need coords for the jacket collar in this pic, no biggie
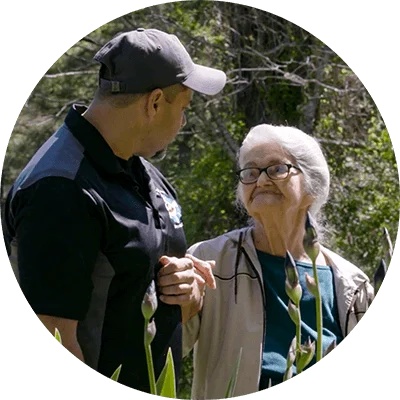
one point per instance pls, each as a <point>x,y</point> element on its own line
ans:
<point>345,270</point>
<point>347,277</point>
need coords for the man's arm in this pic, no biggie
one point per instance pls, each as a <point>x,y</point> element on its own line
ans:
<point>58,241</point>
<point>67,329</point>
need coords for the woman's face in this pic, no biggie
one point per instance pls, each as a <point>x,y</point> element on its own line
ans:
<point>267,195</point>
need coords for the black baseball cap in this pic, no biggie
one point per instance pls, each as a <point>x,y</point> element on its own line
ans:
<point>142,60</point>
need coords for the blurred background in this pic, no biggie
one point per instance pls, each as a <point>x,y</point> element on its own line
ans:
<point>277,73</point>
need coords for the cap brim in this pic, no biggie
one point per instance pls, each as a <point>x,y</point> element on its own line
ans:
<point>205,80</point>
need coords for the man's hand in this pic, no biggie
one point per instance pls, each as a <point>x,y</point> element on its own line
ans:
<point>182,281</point>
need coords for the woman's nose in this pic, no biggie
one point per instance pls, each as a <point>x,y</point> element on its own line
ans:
<point>263,179</point>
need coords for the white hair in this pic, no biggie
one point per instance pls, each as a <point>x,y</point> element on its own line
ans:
<point>307,155</point>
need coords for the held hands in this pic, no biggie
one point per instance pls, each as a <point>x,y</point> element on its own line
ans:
<point>182,281</point>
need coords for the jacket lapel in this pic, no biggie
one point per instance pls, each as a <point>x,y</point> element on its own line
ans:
<point>347,278</point>
<point>248,246</point>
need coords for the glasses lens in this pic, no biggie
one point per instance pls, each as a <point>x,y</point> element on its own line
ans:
<point>279,171</point>
<point>249,175</point>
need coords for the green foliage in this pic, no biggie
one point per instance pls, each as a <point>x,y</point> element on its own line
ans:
<point>364,200</point>
<point>233,379</point>
<point>185,380</point>
<point>277,73</point>
<point>205,188</point>
<point>166,381</point>
<point>57,335</point>
<point>115,375</point>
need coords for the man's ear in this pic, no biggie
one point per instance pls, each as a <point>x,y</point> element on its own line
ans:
<point>153,102</point>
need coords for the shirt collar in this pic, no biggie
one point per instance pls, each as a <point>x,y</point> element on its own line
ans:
<point>96,148</point>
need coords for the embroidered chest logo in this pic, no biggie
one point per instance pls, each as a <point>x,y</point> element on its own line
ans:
<point>173,208</point>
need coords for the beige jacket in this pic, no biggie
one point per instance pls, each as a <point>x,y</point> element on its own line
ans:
<point>233,315</point>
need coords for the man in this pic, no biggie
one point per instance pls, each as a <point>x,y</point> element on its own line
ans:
<point>91,223</point>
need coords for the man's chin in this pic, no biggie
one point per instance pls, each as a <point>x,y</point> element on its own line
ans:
<point>159,156</point>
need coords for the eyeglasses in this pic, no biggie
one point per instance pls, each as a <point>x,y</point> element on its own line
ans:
<point>276,172</point>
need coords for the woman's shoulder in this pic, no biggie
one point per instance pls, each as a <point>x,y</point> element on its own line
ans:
<point>343,267</point>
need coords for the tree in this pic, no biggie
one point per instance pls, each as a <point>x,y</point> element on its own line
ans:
<point>277,73</point>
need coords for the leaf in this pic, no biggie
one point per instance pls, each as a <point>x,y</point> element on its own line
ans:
<point>57,335</point>
<point>232,382</point>
<point>306,355</point>
<point>166,381</point>
<point>116,373</point>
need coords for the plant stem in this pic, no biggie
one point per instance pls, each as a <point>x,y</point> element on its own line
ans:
<point>150,366</point>
<point>290,359</point>
<point>298,342</point>
<point>318,312</point>
<point>288,373</point>
<point>298,335</point>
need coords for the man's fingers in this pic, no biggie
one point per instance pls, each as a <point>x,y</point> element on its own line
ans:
<point>181,300</point>
<point>205,269</point>
<point>174,290</point>
<point>173,264</point>
<point>182,293</point>
<point>175,278</point>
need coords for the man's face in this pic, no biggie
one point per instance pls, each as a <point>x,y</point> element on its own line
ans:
<point>171,117</point>
<point>174,112</point>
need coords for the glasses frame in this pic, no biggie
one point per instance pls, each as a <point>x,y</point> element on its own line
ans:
<point>266,171</point>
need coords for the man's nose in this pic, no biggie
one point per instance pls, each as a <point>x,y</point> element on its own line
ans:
<point>183,123</point>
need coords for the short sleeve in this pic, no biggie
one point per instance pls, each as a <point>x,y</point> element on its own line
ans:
<point>58,236</point>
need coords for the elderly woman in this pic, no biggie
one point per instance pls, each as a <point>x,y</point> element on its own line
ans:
<point>282,175</point>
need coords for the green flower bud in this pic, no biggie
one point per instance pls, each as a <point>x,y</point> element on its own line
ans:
<point>290,269</point>
<point>149,303</point>
<point>294,293</point>
<point>379,275</point>
<point>291,357</point>
<point>388,245</point>
<point>310,239</point>
<point>150,332</point>
<point>292,286</point>
<point>307,352</point>
<point>311,285</point>
<point>294,313</point>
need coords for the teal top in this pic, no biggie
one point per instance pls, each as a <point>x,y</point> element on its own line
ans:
<point>280,329</point>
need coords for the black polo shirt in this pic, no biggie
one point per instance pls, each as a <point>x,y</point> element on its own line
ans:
<point>86,231</point>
